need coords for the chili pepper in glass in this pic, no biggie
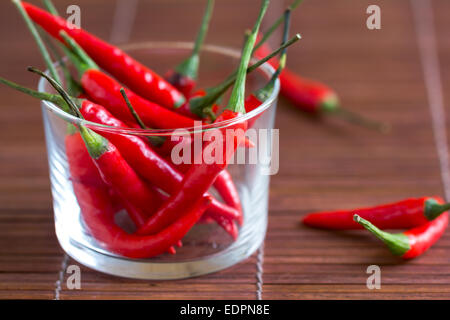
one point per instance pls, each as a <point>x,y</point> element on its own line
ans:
<point>201,105</point>
<point>139,78</point>
<point>200,176</point>
<point>135,151</point>
<point>105,90</point>
<point>411,243</point>
<point>184,76</point>
<point>98,214</point>
<point>408,213</point>
<point>115,171</point>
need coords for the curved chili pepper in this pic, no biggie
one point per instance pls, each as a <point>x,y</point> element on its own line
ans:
<point>200,176</point>
<point>133,74</point>
<point>184,77</point>
<point>412,243</point>
<point>407,213</point>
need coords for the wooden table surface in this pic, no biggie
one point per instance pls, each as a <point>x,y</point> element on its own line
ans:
<point>399,74</point>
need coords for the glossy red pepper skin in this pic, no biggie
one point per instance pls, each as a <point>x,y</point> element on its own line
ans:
<point>307,95</point>
<point>143,159</point>
<point>197,180</point>
<point>81,163</point>
<point>407,213</point>
<point>227,190</point>
<point>98,215</point>
<point>86,179</point>
<point>251,103</point>
<point>138,198</point>
<point>105,91</point>
<point>423,237</point>
<point>182,83</point>
<point>130,72</point>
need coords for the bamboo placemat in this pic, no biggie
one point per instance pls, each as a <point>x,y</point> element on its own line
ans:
<point>323,164</point>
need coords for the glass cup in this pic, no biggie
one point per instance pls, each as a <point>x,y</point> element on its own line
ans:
<point>206,247</point>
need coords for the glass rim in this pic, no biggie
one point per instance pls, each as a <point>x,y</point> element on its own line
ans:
<point>266,68</point>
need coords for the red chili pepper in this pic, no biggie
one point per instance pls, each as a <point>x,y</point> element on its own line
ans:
<point>98,214</point>
<point>315,97</point>
<point>133,74</point>
<point>227,190</point>
<point>197,180</point>
<point>407,213</point>
<point>184,77</point>
<point>412,243</point>
<point>203,105</point>
<point>115,171</point>
<point>136,151</point>
<point>201,176</point>
<point>84,174</point>
<point>105,90</point>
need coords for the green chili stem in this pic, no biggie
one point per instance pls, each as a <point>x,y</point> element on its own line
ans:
<point>38,40</point>
<point>275,25</point>
<point>36,94</point>
<point>131,108</point>
<point>78,51</point>
<point>398,243</point>
<point>60,90</point>
<point>213,94</point>
<point>360,120</point>
<point>95,143</point>
<point>266,91</point>
<point>237,98</point>
<point>189,67</point>
<point>51,7</point>
<point>434,209</point>
<point>204,27</point>
<point>155,140</point>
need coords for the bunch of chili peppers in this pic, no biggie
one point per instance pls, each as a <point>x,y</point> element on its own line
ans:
<point>425,218</point>
<point>111,171</point>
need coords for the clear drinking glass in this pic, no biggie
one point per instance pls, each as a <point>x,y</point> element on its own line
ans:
<point>207,247</point>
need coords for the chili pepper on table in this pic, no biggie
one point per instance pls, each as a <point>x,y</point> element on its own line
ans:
<point>200,176</point>
<point>184,76</point>
<point>408,213</point>
<point>130,72</point>
<point>315,97</point>
<point>411,243</point>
